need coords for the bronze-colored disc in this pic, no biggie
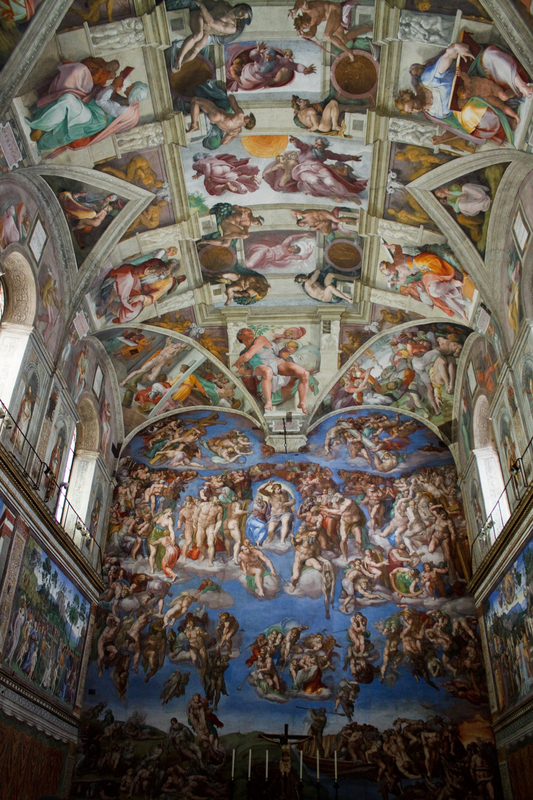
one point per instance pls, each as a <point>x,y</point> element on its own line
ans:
<point>216,259</point>
<point>344,255</point>
<point>356,77</point>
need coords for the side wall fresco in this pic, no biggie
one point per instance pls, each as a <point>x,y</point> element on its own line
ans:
<point>507,615</point>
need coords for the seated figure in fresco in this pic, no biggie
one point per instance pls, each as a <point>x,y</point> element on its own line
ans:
<point>428,278</point>
<point>230,121</point>
<point>233,222</point>
<point>315,118</point>
<point>210,21</point>
<point>259,358</point>
<point>321,286</point>
<point>129,287</point>
<point>85,211</point>
<point>337,19</point>
<point>70,117</point>
<point>470,201</point>
<point>225,173</point>
<point>318,219</point>
<point>479,119</point>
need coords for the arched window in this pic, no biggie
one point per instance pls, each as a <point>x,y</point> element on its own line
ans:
<point>490,473</point>
<point>66,479</point>
<point>84,465</point>
<point>2,298</point>
<point>18,301</point>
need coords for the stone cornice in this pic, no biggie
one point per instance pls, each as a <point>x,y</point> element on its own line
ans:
<point>23,59</point>
<point>19,701</point>
<point>510,23</point>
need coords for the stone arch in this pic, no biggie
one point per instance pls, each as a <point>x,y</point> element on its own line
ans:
<point>88,430</point>
<point>483,272</point>
<point>21,293</point>
<point>527,384</point>
<point>365,359</point>
<point>482,427</point>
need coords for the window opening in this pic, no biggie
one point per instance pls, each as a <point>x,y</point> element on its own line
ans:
<point>66,478</point>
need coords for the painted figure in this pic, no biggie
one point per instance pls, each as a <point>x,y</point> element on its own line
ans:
<point>209,20</point>
<point>264,67</point>
<point>130,287</point>
<point>72,120</point>
<point>311,175</point>
<point>294,248</point>
<point>478,119</point>
<point>337,19</point>
<point>273,373</point>
<point>226,173</point>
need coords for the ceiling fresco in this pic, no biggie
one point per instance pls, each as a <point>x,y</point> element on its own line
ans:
<point>268,161</point>
<point>284,290</point>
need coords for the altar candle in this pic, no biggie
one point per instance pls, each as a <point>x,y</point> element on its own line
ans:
<point>317,765</point>
<point>249,764</point>
<point>233,765</point>
<point>266,766</point>
<point>335,766</point>
<point>301,763</point>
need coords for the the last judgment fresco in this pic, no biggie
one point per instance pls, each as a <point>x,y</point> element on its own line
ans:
<point>325,590</point>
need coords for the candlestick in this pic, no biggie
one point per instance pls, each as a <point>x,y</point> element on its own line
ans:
<point>233,765</point>
<point>317,766</point>
<point>249,764</point>
<point>335,765</point>
<point>266,766</point>
<point>301,763</point>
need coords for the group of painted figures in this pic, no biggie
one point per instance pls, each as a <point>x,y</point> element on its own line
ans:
<point>133,759</point>
<point>34,647</point>
<point>371,540</point>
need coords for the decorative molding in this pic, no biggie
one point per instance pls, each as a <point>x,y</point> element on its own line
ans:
<point>11,578</point>
<point>411,131</point>
<point>386,21</point>
<point>156,69</point>
<point>378,176</point>
<point>512,26</point>
<point>42,27</point>
<point>148,135</point>
<point>514,725</point>
<point>156,27</point>
<point>138,200</point>
<point>389,69</point>
<point>116,36</point>
<point>17,701</point>
<point>21,296</point>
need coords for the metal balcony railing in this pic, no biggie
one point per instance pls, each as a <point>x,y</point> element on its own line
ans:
<point>43,481</point>
<point>521,479</point>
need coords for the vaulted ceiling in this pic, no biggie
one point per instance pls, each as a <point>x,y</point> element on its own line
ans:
<point>287,178</point>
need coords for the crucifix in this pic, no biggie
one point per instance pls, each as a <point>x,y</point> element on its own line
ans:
<point>284,740</point>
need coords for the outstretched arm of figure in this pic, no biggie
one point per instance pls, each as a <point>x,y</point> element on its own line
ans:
<point>266,560</point>
<point>229,137</point>
<point>255,348</point>
<point>453,52</point>
<point>235,107</point>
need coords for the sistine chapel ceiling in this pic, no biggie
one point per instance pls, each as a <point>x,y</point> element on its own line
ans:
<point>283,230</point>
